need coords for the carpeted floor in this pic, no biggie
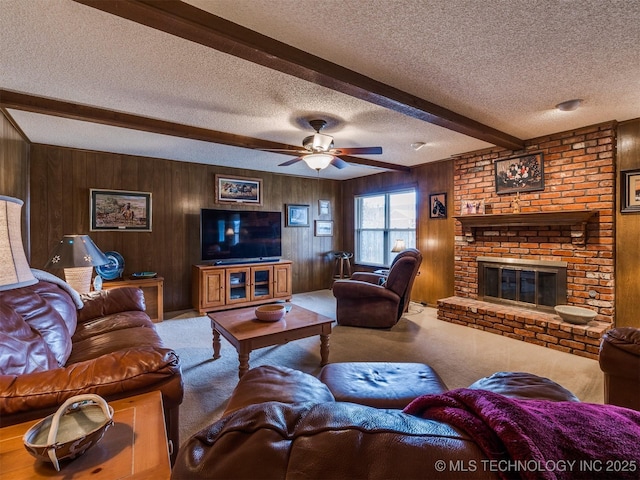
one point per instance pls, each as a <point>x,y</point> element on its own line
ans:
<point>461,355</point>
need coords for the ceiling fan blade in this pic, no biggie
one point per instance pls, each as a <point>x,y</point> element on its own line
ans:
<point>290,162</point>
<point>357,151</point>
<point>283,150</point>
<point>339,163</point>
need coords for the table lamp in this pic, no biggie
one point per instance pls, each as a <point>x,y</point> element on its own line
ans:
<point>398,246</point>
<point>77,255</point>
<point>14,268</point>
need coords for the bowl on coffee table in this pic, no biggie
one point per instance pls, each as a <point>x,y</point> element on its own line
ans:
<point>270,313</point>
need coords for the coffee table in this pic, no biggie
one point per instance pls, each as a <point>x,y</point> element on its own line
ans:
<point>246,333</point>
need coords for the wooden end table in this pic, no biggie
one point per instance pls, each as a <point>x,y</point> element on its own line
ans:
<point>246,333</point>
<point>134,447</point>
<point>153,290</point>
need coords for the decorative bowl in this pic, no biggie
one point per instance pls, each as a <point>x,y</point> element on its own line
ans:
<point>76,426</point>
<point>572,314</point>
<point>270,313</point>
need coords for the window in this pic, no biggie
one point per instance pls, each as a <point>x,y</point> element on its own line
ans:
<point>381,219</point>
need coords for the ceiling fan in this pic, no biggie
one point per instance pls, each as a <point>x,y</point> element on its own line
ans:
<point>319,152</point>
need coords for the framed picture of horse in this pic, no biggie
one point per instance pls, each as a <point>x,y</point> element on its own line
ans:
<point>438,205</point>
<point>118,210</point>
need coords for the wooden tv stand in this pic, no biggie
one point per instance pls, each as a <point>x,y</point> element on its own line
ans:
<point>221,287</point>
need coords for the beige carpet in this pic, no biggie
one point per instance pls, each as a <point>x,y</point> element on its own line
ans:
<point>461,355</point>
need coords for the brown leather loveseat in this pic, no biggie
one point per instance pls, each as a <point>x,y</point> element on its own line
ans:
<point>282,423</point>
<point>50,350</point>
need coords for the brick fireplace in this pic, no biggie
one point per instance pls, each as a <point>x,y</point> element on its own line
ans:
<point>532,284</point>
<point>569,221</point>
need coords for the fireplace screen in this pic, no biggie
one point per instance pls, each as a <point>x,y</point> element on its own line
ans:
<point>536,284</point>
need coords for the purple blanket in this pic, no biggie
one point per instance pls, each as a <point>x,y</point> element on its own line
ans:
<point>541,439</point>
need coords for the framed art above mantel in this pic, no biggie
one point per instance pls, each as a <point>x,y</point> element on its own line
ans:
<point>524,173</point>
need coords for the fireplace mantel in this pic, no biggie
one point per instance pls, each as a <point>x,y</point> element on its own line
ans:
<point>528,219</point>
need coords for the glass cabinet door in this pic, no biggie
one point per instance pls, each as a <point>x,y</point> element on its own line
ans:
<point>237,285</point>
<point>262,282</point>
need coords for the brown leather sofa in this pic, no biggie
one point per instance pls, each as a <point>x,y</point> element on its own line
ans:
<point>50,351</point>
<point>377,301</point>
<point>620,361</point>
<point>283,423</point>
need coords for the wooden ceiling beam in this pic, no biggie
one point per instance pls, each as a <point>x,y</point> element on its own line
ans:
<point>48,106</point>
<point>190,23</point>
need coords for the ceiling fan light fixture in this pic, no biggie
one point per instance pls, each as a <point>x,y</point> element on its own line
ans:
<point>321,142</point>
<point>318,161</point>
<point>569,105</point>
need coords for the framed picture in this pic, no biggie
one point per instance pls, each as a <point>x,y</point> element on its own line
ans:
<point>324,228</point>
<point>324,207</point>
<point>438,205</point>
<point>297,215</point>
<point>233,189</point>
<point>120,210</point>
<point>524,173</point>
<point>472,207</point>
<point>630,191</point>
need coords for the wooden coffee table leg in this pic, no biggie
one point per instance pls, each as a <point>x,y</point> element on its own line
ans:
<point>324,349</point>
<point>243,358</point>
<point>216,344</point>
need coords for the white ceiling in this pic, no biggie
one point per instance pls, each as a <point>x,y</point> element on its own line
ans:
<point>503,63</point>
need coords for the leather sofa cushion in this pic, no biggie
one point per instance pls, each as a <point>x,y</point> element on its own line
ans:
<point>109,342</point>
<point>110,323</point>
<point>105,302</point>
<point>525,386</point>
<point>268,383</point>
<point>115,375</point>
<point>22,349</point>
<point>36,324</point>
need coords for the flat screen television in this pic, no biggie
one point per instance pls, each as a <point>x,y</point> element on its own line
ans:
<point>239,236</point>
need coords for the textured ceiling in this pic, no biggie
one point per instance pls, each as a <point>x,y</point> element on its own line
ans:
<point>505,64</point>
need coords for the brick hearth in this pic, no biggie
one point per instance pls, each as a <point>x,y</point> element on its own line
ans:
<point>545,329</point>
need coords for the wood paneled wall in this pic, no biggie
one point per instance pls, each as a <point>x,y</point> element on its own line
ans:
<point>435,237</point>
<point>627,232</point>
<point>14,171</point>
<point>61,179</point>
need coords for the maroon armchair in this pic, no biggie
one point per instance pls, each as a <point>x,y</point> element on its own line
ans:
<point>376,301</point>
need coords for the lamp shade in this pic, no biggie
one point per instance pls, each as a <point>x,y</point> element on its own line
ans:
<point>76,251</point>
<point>77,255</point>
<point>398,246</point>
<point>318,161</point>
<point>14,268</point>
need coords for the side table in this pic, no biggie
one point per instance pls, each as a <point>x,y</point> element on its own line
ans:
<point>134,447</point>
<point>153,289</point>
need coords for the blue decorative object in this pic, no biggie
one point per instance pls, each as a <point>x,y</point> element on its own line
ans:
<point>144,275</point>
<point>114,268</point>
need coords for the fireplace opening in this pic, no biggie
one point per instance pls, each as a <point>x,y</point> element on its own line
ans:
<point>534,284</point>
